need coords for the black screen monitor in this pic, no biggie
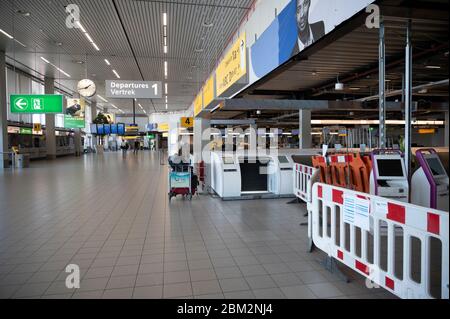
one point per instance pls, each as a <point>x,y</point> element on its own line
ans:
<point>283,160</point>
<point>436,167</point>
<point>390,168</point>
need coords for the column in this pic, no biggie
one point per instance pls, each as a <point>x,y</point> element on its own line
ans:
<point>201,151</point>
<point>4,162</point>
<point>77,142</point>
<point>50,137</point>
<point>93,116</point>
<point>446,142</point>
<point>304,135</point>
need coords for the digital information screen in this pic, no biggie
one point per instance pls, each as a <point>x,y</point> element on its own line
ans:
<point>107,129</point>
<point>436,167</point>
<point>100,129</point>
<point>93,128</point>
<point>121,129</point>
<point>113,128</point>
<point>390,168</point>
<point>283,160</point>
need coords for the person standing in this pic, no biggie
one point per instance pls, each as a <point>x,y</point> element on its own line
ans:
<point>136,146</point>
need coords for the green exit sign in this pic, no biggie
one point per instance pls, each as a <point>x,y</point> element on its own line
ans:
<point>36,104</point>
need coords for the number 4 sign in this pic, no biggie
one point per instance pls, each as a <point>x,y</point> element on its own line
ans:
<point>187,122</point>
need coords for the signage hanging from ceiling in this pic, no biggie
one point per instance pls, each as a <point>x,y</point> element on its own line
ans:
<point>133,89</point>
<point>233,66</point>
<point>208,91</point>
<point>187,122</point>
<point>198,104</point>
<point>36,103</point>
<point>74,116</point>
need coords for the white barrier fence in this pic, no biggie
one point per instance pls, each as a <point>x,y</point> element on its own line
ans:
<point>304,177</point>
<point>401,247</point>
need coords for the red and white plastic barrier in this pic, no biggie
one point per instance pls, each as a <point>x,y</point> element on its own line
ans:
<point>304,177</point>
<point>374,236</point>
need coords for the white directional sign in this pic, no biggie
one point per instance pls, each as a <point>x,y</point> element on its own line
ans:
<point>133,89</point>
<point>21,104</point>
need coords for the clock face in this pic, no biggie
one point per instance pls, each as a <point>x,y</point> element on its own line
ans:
<point>86,88</point>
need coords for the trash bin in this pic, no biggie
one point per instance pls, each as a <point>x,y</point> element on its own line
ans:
<point>22,160</point>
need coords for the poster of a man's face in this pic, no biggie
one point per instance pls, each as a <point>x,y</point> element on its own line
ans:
<point>308,32</point>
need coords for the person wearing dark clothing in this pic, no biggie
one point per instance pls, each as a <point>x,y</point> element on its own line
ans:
<point>136,146</point>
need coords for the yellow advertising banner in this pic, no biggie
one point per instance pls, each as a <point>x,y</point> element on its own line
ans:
<point>198,105</point>
<point>163,127</point>
<point>232,67</point>
<point>208,91</point>
<point>187,122</point>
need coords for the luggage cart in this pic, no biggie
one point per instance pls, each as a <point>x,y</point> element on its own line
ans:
<point>180,177</point>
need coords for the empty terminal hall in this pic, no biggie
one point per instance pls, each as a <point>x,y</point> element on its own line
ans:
<point>232,151</point>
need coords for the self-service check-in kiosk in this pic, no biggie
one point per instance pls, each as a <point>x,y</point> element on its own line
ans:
<point>238,176</point>
<point>429,183</point>
<point>280,175</point>
<point>388,177</point>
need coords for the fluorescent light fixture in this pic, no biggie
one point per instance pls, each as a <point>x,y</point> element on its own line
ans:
<point>354,89</point>
<point>167,99</point>
<point>167,106</point>
<point>166,87</point>
<point>165,49</point>
<point>89,37</point>
<point>116,74</point>
<point>95,46</point>
<point>107,62</point>
<point>165,69</point>
<point>7,34</point>
<point>165,41</point>
<point>165,31</point>
<point>164,18</point>
<point>432,67</point>
<point>373,122</point>
<point>78,23</point>
<point>114,106</point>
<point>20,43</point>
<point>63,72</point>
<point>102,98</point>
<point>45,60</point>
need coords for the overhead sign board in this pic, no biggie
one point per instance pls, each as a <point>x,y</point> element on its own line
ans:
<point>133,89</point>
<point>233,66</point>
<point>36,103</point>
<point>26,131</point>
<point>163,127</point>
<point>208,91</point>
<point>198,104</point>
<point>187,122</point>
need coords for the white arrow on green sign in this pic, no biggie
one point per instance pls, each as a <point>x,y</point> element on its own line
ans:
<point>36,103</point>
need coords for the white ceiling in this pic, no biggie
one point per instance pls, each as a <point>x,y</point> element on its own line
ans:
<point>129,34</point>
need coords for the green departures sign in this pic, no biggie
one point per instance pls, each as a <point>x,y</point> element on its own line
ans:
<point>36,104</point>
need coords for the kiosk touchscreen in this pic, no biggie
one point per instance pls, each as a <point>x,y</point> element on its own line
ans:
<point>429,187</point>
<point>388,177</point>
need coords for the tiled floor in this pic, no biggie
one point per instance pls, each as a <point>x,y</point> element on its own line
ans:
<point>111,216</point>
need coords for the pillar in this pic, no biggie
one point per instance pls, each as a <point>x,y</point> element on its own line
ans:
<point>201,151</point>
<point>4,162</point>
<point>446,141</point>
<point>305,140</point>
<point>77,142</point>
<point>93,116</point>
<point>50,137</point>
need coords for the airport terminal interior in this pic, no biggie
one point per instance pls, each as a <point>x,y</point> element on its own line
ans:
<point>224,149</point>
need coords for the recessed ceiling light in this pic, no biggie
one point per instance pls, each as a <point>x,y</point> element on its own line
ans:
<point>432,67</point>
<point>23,13</point>
<point>354,88</point>
<point>164,18</point>
<point>198,50</point>
<point>78,61</point>
<point>207,25</point>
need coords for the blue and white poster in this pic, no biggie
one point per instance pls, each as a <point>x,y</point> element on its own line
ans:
<point>300,24</point>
